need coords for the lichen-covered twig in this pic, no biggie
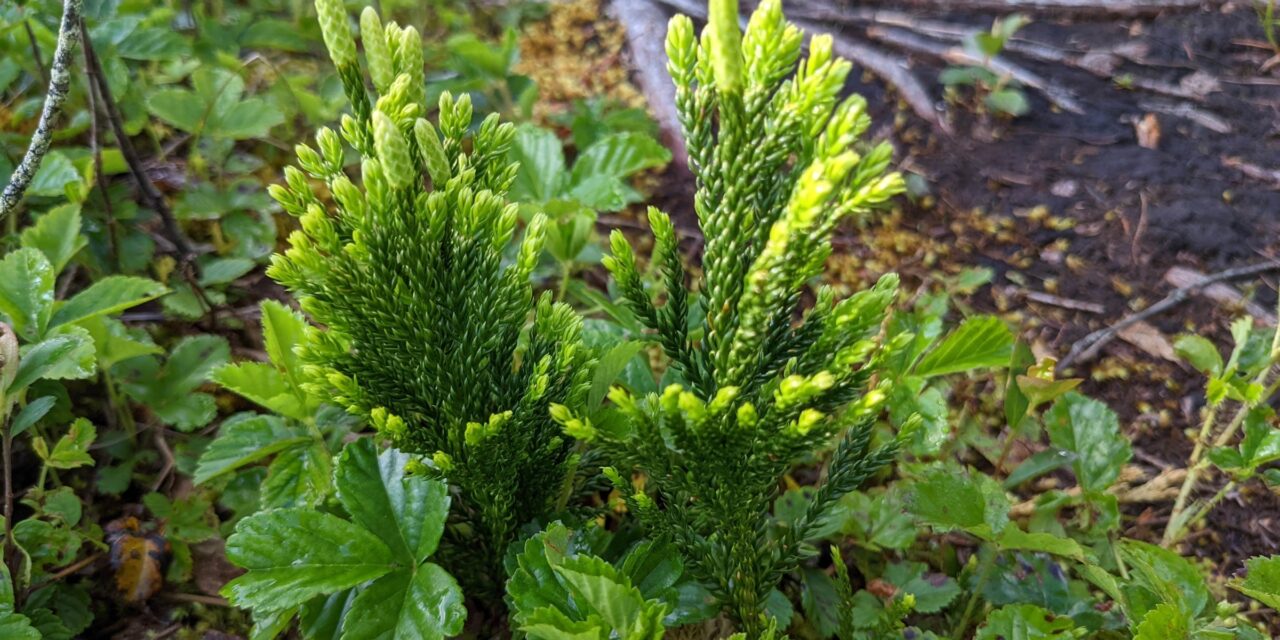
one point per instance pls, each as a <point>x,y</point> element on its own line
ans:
<point>59,84</point>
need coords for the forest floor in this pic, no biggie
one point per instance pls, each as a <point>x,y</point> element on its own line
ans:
<point>1171,168</point>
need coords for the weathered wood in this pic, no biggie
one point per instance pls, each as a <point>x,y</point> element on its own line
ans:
<point>1098,7</point>
<point>646,29</point>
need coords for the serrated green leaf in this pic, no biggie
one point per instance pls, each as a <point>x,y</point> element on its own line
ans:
<point>1200,353</point>
<point>58,358</point>
<point>246,439</point>
<point>57,235</point>
<point>321,617</point>
<point>283,331</point>
<point>299,476</point>
<point>1026,622</point>
<point>1090,430</point>
<point>14,626</point>
<point>619,155</point>
<point>1164,622</point>
<point>950,500</point>
<point>293,555</point>
<point>979,342</point>
<point>407,512</point>
<point>610,595</point>
<point>26,291</point>
<point>1015,539</point>
<point>424,604</point>
<point>107,296</point>
<point>72,449</point>
<point>263,384</point>
<point>1261,581</point>
<point>933,592</point>
<point>115,342</point>
<point>541,157</point>
<point>1172,578</point>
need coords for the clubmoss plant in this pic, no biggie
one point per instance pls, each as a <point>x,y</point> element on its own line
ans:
<point>428,332</point>
<point>778,165</point>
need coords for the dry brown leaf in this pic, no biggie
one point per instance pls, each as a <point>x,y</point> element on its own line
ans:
<point>1150,339</point>
<point>1148,131</point>
<point>138,559</point>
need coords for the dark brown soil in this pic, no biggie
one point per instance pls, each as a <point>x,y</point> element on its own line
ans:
<point>1118,215</point>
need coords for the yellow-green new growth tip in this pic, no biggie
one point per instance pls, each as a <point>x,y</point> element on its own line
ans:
<point>393,151</point>
<point>726,45</point>
<point>336,29</point>
<point>376,52</point>
<point>432,152</point>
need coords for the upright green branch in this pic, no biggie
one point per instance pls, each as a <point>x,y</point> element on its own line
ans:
<point>779,163</point>
<point>59,86</point>
<point>428,332</point>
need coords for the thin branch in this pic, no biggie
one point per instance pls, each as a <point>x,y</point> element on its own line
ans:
<point>1059,96</point>
<point>35,50</point>
<point>59,85</point>
<point>1088,346</point>
<point>1100,7</point>
<point>152,195</point>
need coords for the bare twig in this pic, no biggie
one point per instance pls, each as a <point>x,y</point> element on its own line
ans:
<point>1059,96</point>
<point>59,85</point>
<point>1250,170</point>
<point>1220,293</point>
<point>64,572</point>
<point>35,51</point>
<point>1088,346</point>
<point>1101,7</point>
<point>98,177</point>
<point>1065,303</point>
<point>1202,117</point>
<point>152,195</point>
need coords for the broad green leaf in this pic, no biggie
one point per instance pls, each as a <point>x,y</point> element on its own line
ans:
<point>178,107</point>
<point>57,235</point>
<point>1200,353</point>
<point>1038,464</point>
<point>31,414</point>
<point>1016,403</point>
<point>423,604</point>
<point>154,43</point>
<point>72,449</point>
<point>1169,576</point>
<point>933,592</point>
<point>407,512</point>
<point>170,389</point>
<point>541,157</point>
<point>116,342</point>
<point>225,270</point>
<point>58,358</point>
<point>948,499</point>
<point>1090,430</point>
<point>1261,581</point>
<point>610,595</point>
<point>15,626</point>
<point>215,105</point>
<point>1008,101</point>
<point>1164,622</point>
<point>321,617</point>
<point>300,476</point>
<point>552,624</point>
<point>263,384</point>
<point>269,625</point>
<point>1026,622</point>
<point>293,555</point>
<point>284,330</point>
<point>107,296</point>
<point>618,156</point>
<point>1261,442</point>
<point>246,439</point>
<point>1015,539</point>
<point>979,342</point>
<point>609,367</point>
<point>56,174</point>
<point>26,291</point>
